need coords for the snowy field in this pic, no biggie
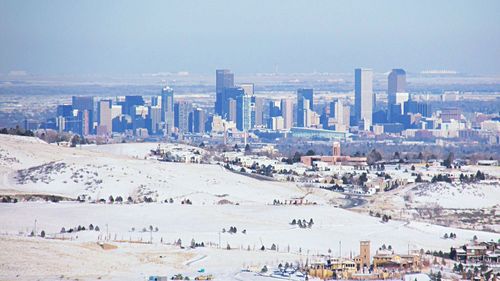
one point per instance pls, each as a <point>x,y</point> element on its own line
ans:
<point>458,196</point>
<point>31,166</point>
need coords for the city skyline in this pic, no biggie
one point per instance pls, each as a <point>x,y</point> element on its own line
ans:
<point>250,140</point>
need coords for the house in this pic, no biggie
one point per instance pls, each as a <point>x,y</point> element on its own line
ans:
<point>475,253</point>
<point>388,261</point>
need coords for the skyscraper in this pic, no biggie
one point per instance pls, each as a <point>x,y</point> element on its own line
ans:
<point>243,113</point>
<point>341,114</point>
<point>104,117</point>
<point>154,119</point>
<point>287,113</point>
<point>167,108</point>
<point>182,110</point>
<point>130,103</point>
<point>83,104</point>
<point>257,111</point>
<point>199,120</point>
<point>229,98</point>
<point>304,94</point>
<point>363,95</point>
<point>65,110</point>
<point>224,78</point>
<point>396,84</point>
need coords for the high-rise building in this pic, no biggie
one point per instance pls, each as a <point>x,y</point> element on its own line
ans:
<point>231,111</point>
<point>104,117</point>
<point>244,113</point>
<point>302,95</point>
<point>182,110</point>
<point>274,108</point>
<point>257,111</point>
<point>229,94</point>
<point>396,84</point>
<point>418,107</point>
<point>224,78</point>
<point>167,108</point>
<point>199,120</point>
<point>84,117</point>
<point>287,113</point>
<point>341,114</point>
<point>85,103</point>
<point>64,110</point>
<point>130,103</point>
<point>153,122</point>
<point>363,96</point>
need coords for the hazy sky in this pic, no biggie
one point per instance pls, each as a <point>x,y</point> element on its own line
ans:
<point>129,37</point>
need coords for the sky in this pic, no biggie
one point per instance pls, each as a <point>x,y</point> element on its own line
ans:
<point>59,37</point>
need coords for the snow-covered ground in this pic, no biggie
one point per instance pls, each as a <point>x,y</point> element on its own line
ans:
<point>122,170</point>
<point>459,196</point>
<point>83,171</point>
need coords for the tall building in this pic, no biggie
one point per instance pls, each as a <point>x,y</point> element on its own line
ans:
<point>363,96</point>
<point>257,111</point>
<point>244,113</point>
<point>274,108</point>
<point>396,84</point>
<point>167,108</point>
<point>85,103</point>
<point>287,113</point>
<point>397,108</point>
<point>224,78</point>
<point>199,120</point>
<point>104,117</point>
<point>84,117</point>
<point>181,115</point>
<point>130,103</point>
<point>302,95</point>
<point>231,110</point>
<point>65,110</point>
<point>153,121</point>
<point>228,96</point>
<point>418,107</point>
<point>341,114</point>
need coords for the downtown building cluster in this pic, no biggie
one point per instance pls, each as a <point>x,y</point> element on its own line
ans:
<point>238,113</point>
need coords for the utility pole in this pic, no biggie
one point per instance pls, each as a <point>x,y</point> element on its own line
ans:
<point>340,249</point>
<point>219,239</point>
<point>34,231</point>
